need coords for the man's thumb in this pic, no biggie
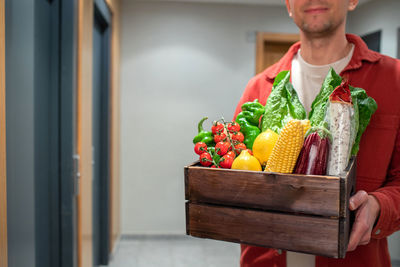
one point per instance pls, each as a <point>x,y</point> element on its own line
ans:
<point>359,198</point>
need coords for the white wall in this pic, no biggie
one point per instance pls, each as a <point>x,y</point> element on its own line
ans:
<point>179,63</point>
<point>378,15</point>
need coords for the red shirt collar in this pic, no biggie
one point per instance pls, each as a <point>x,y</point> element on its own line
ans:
<point>361,53</point>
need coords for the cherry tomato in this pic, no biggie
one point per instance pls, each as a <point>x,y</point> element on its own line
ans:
<point>205,159</point>
<point>239,147</point>
<point>200,148</point>
<point>226,162</point>
<point>217,128</point>
<point>250,152</point>
<point>213,166</point>
<point>231,154</point>
<point>233,127</point>
<point>222,148</point>
<point>219,137</point>
<point>238,137</point>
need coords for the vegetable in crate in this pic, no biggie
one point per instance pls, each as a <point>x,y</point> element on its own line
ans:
<point>364,105</point>
<point>319,105</point>
<point>221,148</point>
<point>249,120</point>
<point>245,161</point>
<point>239,148</point>
<point>263,145</point>
<point>203,136</point>
<point>343,125</point>
<point>283,104</point>
<point>287,148</point>
<point>217,128</point>
<point>205,159</point>
<point>313,156</point>
<point>226,161</point>
<point>200,148</point>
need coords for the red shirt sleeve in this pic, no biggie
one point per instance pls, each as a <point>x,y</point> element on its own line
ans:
<point>259,87</point>
<point>388,197</point>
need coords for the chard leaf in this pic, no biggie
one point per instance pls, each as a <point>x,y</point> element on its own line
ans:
<point>282,105</point>
<point>366,107</point>
<point>319,105</point>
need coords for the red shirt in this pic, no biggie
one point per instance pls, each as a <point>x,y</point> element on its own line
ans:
<point>378,160</point>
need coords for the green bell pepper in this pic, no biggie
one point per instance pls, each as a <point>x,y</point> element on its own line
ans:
<point>203,136</point>
<point>249,120</point>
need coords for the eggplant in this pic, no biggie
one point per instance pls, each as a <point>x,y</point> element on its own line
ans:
<point>313,158</point>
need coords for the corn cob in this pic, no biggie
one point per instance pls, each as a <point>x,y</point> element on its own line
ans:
<point>306,126</point>
<point>287,148</point>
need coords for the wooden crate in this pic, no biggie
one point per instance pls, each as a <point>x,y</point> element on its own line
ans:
<point>303,213</point>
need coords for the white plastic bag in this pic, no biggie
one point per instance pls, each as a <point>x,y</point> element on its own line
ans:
<point>342,122</point>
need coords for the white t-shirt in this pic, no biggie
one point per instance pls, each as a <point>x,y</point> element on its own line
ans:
<point>307,79</point>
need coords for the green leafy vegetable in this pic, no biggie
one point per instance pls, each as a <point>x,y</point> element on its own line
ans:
<point>319,105</point>
<point>282,105</point>
<point>364,106</point>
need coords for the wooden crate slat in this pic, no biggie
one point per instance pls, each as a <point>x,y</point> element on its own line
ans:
<point>318,195</point>
<point>307,234</point>
<point>348,185</point>
<point>271,209</point>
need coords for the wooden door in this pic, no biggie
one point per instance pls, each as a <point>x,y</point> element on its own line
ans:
<point>3,185</point>
<point>271,47</point>
<point>114,6</point>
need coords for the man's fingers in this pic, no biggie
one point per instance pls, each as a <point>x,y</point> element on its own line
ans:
<point>358,232</point>
<point>358,199</point>
<point>365,239</point>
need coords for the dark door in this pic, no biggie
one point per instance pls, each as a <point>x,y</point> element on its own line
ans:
<point>101,74</point>
<point>46,129</point>
<point>40,82</point>
<point>69,160</point>
<point>55,121</point>
<point>373,40</point>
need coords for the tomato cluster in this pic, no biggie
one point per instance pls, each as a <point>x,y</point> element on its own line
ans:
<point>228,144</point>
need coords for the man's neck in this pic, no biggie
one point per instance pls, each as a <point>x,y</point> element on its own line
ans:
<point>324,50</point>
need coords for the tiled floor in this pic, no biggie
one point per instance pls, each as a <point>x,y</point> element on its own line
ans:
<point>175,251</point>
<point>179,251</point>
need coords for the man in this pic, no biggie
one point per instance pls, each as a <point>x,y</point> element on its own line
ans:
<point>323,43</point>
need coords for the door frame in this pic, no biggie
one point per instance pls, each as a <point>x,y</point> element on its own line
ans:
<point>3,173</point>
<point>267,37</point>
<point>102,16</point>
<point>84,131</point>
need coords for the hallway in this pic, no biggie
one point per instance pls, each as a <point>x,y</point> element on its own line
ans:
<point>174,251</point>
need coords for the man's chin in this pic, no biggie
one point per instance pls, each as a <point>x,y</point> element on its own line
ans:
<point>317,30</point>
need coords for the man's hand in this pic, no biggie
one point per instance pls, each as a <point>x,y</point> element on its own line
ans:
<point>367,210</point>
